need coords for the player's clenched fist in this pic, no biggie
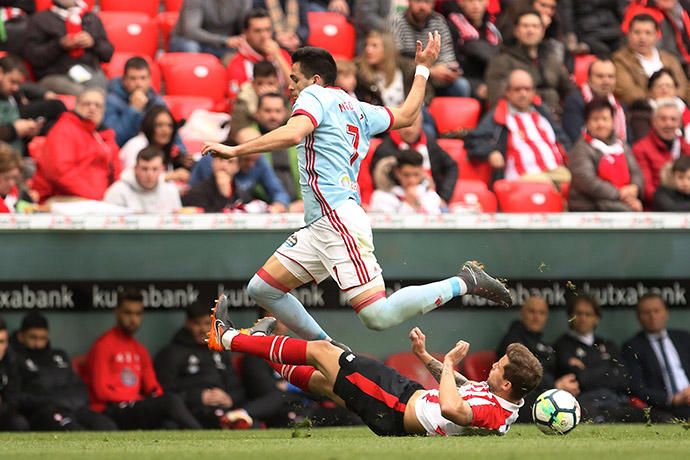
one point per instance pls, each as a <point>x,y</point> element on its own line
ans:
<point>418,340</point>
<point>459,352</point>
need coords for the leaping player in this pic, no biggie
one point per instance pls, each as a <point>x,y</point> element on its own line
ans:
<point>387,402</point>
<point>333,131</point>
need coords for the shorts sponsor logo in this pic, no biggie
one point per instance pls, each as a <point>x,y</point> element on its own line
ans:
<point>291,242</point>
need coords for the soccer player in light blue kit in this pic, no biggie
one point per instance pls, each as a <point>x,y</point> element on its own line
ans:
<point>333,131</point>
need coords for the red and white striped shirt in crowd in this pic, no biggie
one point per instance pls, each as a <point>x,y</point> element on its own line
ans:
<point>532,145</point>
<point>491,414</point>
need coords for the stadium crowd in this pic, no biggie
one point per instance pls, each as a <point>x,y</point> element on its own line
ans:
<point>588,97</point>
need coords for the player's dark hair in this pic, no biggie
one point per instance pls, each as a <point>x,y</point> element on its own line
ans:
<point>316,61</point>
<point>660,73</point>
<point>3,325</point>
<point>10,62</point>
<point>129,295</point>
<point>644,17</point>
<point>681,165</point>
<point>523,371</point>
<point>650,296</point>
<point>149,153</point>
<point>597,61</point>
<point>599,103</point>
<point>269,96</point>
<point>409,157</point>
<point>263,69</point>
<point>527,12</point>
<point>256,13</point>
<point>583,298</point>
<point>136,63</point>
<point>148,127</point>
<point>197,310</point>
<point>33,320</point>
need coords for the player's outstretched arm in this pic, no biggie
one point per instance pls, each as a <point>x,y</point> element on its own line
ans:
<point>292,133</point>
<point>406,114</point>
<point>453,407</point>
<point>433,365</point>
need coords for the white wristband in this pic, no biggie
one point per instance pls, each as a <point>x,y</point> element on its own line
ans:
<point>423,71</point>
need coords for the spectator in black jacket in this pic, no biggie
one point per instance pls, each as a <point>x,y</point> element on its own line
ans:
<point>594,23</point>
<point>14,14</point>
<point>529,331</point>
<point>66,48</point>
<point>443,169</point>
<point>658,360</point>
<point>596,364</point>
<point>675,196</point>
<point>10,419</point>
<point>51,395</point>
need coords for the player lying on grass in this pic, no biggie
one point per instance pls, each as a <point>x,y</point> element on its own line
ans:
<point>390,404</point>
<point>333,131</point>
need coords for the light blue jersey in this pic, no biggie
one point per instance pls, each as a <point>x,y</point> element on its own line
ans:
<point>329,158</point>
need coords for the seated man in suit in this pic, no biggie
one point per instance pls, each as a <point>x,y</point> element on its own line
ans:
<point>658,360</point>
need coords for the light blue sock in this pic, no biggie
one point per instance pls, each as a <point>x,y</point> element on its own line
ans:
<point>409,302</point>
<point>286,308</point>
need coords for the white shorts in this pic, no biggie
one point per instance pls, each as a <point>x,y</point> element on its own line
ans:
<point>339,245</point>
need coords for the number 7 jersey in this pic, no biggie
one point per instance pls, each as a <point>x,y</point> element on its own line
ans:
<point>330,157</point>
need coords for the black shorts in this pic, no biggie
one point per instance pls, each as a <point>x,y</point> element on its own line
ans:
<point>375,392</point>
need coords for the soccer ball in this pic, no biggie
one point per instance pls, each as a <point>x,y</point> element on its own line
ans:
<point>556,412</point>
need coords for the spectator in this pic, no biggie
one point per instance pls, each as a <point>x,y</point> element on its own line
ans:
<point>675,195</point>
<point>368,15</point>
<point>209,26</point>
<point>347,76</point>
<point>658,360</point>
<point>383,76</point>
<point>601,82</point>
<point>10,176</point>
<point>206,379</point>
<point>662,84</point>
<point>592,23</point>
<point>596,364</point>
<point>529,331</point>
<point>415,24</point>
<point>270,115</point>
<point>534,55</point>
<point>244,110</point>
<point>258,45</point>
<point>51,395</point>
<point>672,18</point>
<point>159,129</point>
<point>413,194</point>
<point>144,189</point>
<point>122,381</point>
<point>661,145</point>
<point>637,61</point>
<point>336,6</point>
<point>606,176</point>
<point>437,164</point>
<point>547,9</point>
<point>476,38</point>
<point>80,156</point>
<point>14,17</point>
<point>129,98</point>
<point>66,46</point>
<point>21,119</point>
<point>518,137</point>
<point>289,18</point>
<point>217,192</point>
<point>10,418</point>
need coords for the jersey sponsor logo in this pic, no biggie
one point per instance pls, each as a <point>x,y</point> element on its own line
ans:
<point>345,106</point>
<point>218,361</point>
<point>193,364</point>
<point>350,358</point>
<point>127,377</point>
<point>59,362</point>
<point>346,182</point>
<point>30,365</point>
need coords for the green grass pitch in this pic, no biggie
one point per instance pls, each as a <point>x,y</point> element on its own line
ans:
<point>590,442</point>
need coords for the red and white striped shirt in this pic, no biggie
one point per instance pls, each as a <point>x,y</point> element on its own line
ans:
<point>532,145</point>
<point>491,414</point>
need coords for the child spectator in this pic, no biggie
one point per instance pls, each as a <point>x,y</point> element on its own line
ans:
<point>675,196</point>
<point>347,76</point>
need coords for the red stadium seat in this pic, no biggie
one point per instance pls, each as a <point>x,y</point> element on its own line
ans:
<point>116,67</point>
<point>166,23</point>
<point>183,106</point>
<point>582,63</point>
<point>364,180</point>
<point>131,32</point>
<point>471,192</point>
<point>477,365</point>
<point>333,32</point>
<point>521,196</point>
<point>148,7</point>
<point>468,170</point>
<point>195,74</point>
<point>46,4</point>
<point>173,5</point>
<point>408,365</point>
<point>455,113</point>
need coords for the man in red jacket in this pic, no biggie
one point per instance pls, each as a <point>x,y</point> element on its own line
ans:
<point>122,382</point>
<point>662,144</point>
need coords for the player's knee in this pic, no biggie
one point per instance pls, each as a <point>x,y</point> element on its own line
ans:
<point>260,291</point>
<point>374,319</point>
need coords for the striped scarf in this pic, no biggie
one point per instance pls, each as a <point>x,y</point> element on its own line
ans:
<point>284,21</point>
<point>619,123</point>
<point>73,22</point>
